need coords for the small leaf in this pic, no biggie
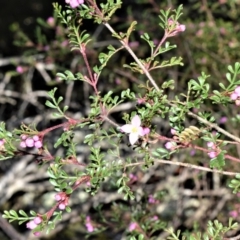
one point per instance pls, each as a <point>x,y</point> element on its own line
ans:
<point>49,104</point>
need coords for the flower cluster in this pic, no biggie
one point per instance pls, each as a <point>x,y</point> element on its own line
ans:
<point>89,225</point>
<point>135,130</point>
<point>30,142</point>
<point>74,3</point>
<point>62,198</point>
<point>235,96</point>
<point>214,151</point>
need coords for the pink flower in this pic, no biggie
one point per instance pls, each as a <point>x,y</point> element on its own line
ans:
<point>38,144</point>
<point>237,90</point>
<point>141,101</point>
<point>35,138</point>
<point>23,145</point>
<point>169,145</point>
<point>237,102</point>
<point>234,96</point>
<point>173,131</point>
<point>31,225</point>
<point>37,234</point>
<point>2,141</point>
<point>133,177</point>
<point>223,120</point>
<point>29,142</point>
<point>51,21</point>
<point>134,129</point>
<point>74,3</point>
<point>151,199</point>
<point>146,131</point>
<point>24,137</point>
<point>192,152</point>
<point>210,144</point>
<point>89,225</point>
<point>37,220</point>
<point>212,154</point>
<point>132,226</point>
<point>233,213</point>
<point>62,206</point>
<point>58,197</point>
<point>19,69</point>
<point>177,27</point>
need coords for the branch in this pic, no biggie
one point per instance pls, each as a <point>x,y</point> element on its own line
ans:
<point>206,169</point>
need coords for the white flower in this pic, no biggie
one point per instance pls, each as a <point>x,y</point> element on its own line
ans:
<point>134,129</point>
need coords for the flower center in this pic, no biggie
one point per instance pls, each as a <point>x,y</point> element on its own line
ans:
<point>134,129</point>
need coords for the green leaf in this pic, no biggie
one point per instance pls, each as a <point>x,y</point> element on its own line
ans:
<point>49,104</point>
<point>21,212</point>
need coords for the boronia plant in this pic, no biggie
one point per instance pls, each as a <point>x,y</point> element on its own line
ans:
<point>116,149</point>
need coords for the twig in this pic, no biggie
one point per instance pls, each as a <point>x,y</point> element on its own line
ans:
<point>212,125</point>
<point>206,169</point>
<point>135,58</point>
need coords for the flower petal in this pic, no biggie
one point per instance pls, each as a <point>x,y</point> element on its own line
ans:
<point>136,121</point>
<point>127,128</point>
<point>140,131</point>
<point>133,137</point>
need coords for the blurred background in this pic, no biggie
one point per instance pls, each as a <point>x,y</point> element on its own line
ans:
<point>34,47</point>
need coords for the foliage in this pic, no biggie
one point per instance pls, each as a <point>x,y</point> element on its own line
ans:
<point>189,107</point>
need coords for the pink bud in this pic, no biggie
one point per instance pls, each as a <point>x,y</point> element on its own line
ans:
<point>38,144</point>
<point>37,220</point>
<point>29,142</point>
<point>233,213</point>
<point>2,141</point>
<point>181,28</point>
<point>90,227</point>
<point>173,131</point>
<point>237,102</point>
<point>155,218</point>
<point>58,197</point>
<point>37,234</point>
<point>23,145</point>
<point>19,69</point>
<point>132,226</point>
<point>145,131</point>
<point>210,144</point>
<point>212,154</point>
<point>24,137</point>
<point>35,138</point>
<point>234,96</point>
<point>31,225</point>
<point>51,21</point>
<point>237,91</point>
<point>61,206</point>
<point>169,145</point>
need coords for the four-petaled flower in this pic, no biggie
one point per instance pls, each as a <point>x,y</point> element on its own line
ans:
<point>134,129</point>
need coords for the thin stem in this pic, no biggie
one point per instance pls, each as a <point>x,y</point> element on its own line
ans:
<point>160,44</point>
<point>135,58</point>
<point>212,125</point>
<point>206,169</point>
